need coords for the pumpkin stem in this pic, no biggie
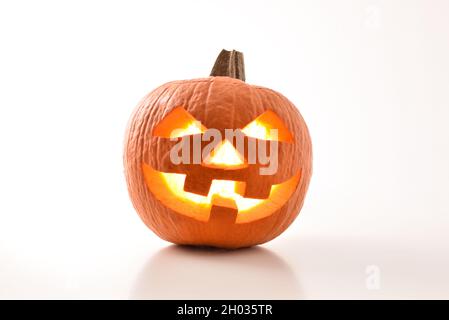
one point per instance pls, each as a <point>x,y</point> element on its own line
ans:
<point>229,64</point>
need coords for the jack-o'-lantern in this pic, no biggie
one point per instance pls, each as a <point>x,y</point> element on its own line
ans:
<point>217,195</point>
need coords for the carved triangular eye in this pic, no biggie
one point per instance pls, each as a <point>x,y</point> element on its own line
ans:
<point>262,126</point>
<point>178,123</point>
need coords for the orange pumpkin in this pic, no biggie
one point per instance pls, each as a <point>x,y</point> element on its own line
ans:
<point>224,200</point>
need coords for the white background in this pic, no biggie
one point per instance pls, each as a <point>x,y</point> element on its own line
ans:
<point>370,77</point>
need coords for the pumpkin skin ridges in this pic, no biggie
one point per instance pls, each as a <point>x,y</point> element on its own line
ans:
<point>200,97</point>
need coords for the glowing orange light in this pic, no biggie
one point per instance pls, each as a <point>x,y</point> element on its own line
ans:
<point>169,189</point>
<point>178,123</point>
<point>224,156</point>
<point>258,130</point>
<point>261,127</point>
<point>190,128</point>
<point>222,188</point>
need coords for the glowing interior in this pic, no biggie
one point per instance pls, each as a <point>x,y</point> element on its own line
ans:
<point>191,128</point>
<point>261,127</point>
<point>219,189</point>
<point>169,189</point>
<point>178,123</point>
<point>225,156</point>
<point>257,130</point>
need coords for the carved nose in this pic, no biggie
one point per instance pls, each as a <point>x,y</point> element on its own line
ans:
<point>224,156</point>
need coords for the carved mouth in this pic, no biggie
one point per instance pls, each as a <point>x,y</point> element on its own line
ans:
<point>168,188</point>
